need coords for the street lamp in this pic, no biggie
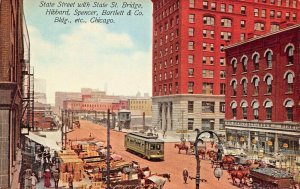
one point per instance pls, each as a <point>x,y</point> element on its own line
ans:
<point>217,171</point>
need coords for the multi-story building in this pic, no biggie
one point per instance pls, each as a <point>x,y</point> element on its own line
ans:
<point>43,116</point>
<point>60,97</point>
<point>263,93</point>
<point>188,54</point>
<point>12,62</point>
<point>138,106</point>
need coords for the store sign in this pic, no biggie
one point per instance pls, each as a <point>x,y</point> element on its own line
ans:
<point>283,126</point>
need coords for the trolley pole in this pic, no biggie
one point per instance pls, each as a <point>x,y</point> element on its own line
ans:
<point>108,151</point>
<point>62,129</point>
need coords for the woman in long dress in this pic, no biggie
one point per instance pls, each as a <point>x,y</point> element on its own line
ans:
<point>47,177</point>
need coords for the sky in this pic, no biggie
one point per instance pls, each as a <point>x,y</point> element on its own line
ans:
<point>91,55</point>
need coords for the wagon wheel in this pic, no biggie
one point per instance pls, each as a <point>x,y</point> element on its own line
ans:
<point>118,187</point>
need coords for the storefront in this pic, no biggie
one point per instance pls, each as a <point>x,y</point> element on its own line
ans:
<point>267,137</point>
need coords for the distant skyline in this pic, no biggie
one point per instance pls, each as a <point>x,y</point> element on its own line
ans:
<point>74,56</point>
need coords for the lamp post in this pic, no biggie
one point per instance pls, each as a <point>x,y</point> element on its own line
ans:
<point>218,171</point>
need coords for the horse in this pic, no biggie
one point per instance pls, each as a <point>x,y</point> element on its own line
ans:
<point>201,152</point>
<point>240,173</point>
<point>227,160</point>
<point>165,175</point>
<point>181,147</point>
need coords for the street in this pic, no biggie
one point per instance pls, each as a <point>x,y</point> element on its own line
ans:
<point>174,163</point>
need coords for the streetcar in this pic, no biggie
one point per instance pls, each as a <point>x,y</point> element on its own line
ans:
<point>146,145</point>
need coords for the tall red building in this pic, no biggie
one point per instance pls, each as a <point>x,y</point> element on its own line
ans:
<point>263,93</point>
<point>188,54</point>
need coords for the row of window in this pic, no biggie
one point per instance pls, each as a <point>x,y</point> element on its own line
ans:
<point>166,12</point>
<point>268,54</point>
<point>268,79</point>
<point>288,104</point>
<point>206,124</point>
<point>207,107</point>
<point>205,74</point>
<point>272,14</point>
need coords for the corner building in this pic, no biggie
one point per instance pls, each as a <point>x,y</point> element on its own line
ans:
<point>263,93</point>
<point>189,60</point>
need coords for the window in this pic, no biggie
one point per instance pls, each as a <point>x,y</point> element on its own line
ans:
<point>207,73</point>
<point>225,22</point>
<point>204,32</point>
<point>294,4</point>
<point>287,15</point>
<point>212,34</point>
<point>208,107</point>
<point>208,20</point>
<point>263,13</point>
<point>245,89</point>
<point>222,107</point>
<point>204,60</point>
<point>230,8</point>
<point>255,84</point>
<point>160,77</point>
<point>272,2</point>
<point>245,64</point>
<point>205,5</point>
<point>255,109</point>
<point>278,14</point>
<point>274,27</point>
<point>223,7</point>
<point>290,81</point>
<point>278,2</point>
<point>165,76</point>
<point>204,46</point>
<point>191,59</point>
<point>222,124</point>
<point>256,62</point>
<point>222,48</point>
<point>222,74</point>
<point>208,124</point>
<point>222,88</point>
<point>290,54</point>
<point>259,26</point>
<point>191,72</point>
<point>190,87</point>
<point>268,106</point>
<point>192,3</point>
<point>170,88</point>
<point>222,61</point>
<point>171,74</point>
<point>243,36</point>
<point>234,66</point>
<point>191,124</point>
<point>243,23</point>
<point>294,17</point>
<point>243,10</point>
<point>256,12</point>
<point>211,47</point>
<point>191,45</point>
<point>269,59</point>
<point>207,88</point>
<point>190,106</point>
<point>211,60</point>
<point>154,78</point>
<point>191,31</point>
<point>233,84</point>
<point>176,87</point>
<point>213,6</point>
<point>233,109</point>
<point>272,14</point>
<point>225,35</point>
<point>244,109</point>
<point>287,3</point>
<point>289,109</point>
<point>268,80</point>
<point>191,18</point>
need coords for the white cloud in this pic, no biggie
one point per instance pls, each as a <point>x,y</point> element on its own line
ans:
<point>91,56</point>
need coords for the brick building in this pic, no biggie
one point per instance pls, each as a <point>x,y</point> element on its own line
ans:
<point>263,93</point>
<point>139,105</point>
<point>11,64</point>
<point>43,116</point>
<point>188,54</point>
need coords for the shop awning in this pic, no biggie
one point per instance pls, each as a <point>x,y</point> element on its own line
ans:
<point>160,181</point>
<point>43,141</point>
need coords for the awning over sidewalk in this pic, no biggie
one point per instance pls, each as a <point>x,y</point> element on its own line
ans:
<point>44,141</point>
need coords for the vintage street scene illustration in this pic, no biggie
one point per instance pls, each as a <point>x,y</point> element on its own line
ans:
<point>149,94</point>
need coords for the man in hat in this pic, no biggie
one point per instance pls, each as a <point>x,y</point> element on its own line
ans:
<point>33,181</point>
<point>56,178</point>
<point>185,175</point>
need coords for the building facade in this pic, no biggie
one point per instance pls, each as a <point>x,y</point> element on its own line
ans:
<point>11,75</point>
<point>189,59</point>
<point>138,106</point>
<point>263,93</point>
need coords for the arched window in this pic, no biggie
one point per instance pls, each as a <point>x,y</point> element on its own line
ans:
<point>268,106</point>
<point>245,63</point>
<point>225,22</point>
<point>256,61</point>
<point>154,78</point>
<point>245,88</point>
<point>290,81</point>
<point>269,59</point>
<point>222,74</point>
<point>259,26</point>
<point>234,84</point>
<point>290,54</point>
<point>234,66</point>
<point>289,109</point>
<point>165,75</point>
<point>208,20</point>
<point>255,106</point>
<point>160,77</point>
<point>244,106</point>
<point>255,82</point>
<point>268,80</point>
<point>233,108</point>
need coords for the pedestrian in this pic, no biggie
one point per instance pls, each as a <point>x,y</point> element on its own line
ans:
<point>33,181</point>
<point>56,178</point>
<point>185,175</point>
<point>70,181</point>
<point>47,177</point>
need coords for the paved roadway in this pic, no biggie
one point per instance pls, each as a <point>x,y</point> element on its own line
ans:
<point>174,163</point>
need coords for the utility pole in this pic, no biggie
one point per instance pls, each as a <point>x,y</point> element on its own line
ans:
<point>108,151</point>
<point>62,129</point>
<point>66,135</point>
